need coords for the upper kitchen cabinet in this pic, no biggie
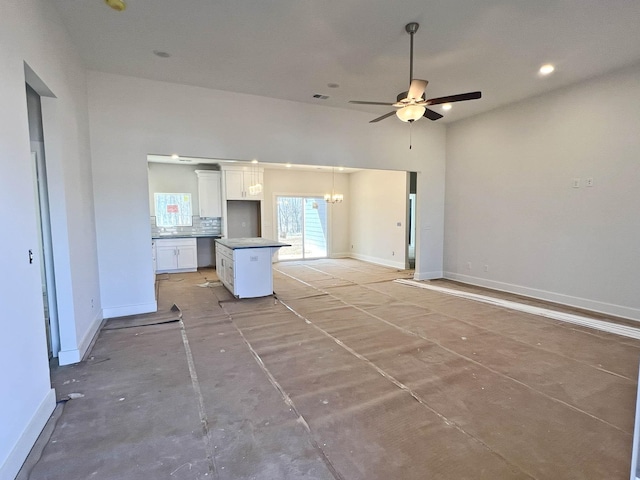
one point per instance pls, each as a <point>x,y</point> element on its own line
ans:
<point>243,183</point>
<point>209,197</point>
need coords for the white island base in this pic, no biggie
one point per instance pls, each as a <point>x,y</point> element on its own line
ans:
<point>244,265</point>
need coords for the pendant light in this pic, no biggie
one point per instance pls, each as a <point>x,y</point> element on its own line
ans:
<point>333,197</point>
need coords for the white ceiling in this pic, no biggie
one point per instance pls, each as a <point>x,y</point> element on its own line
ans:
<point>294,49</point>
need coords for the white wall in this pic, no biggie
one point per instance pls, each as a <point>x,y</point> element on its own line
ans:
<point>32,33</point>
<point>309,183</point>
<point>131,118</point>
<point>378,204</point>
<point>510,203</point>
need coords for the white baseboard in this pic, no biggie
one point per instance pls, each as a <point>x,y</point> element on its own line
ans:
<point>340,255</point>
<point>378,261</point>
<point>593,305</point>
<point>113,312</point>
<point>74,355</point>
<point>427,275</point>
<point>17,456</point>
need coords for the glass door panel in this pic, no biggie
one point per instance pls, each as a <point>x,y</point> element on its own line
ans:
<point>302,222</point>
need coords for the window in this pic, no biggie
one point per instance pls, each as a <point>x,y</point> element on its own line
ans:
<point>173,209</point>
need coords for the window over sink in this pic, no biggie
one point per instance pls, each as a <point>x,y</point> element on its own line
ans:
<point>173,209</point>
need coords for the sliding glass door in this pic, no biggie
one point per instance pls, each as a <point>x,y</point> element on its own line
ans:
<point>302,222</point>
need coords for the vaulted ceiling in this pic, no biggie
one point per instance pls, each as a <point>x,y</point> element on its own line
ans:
<point>292,50</point>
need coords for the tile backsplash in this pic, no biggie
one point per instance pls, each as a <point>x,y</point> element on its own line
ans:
<point>200,226</point>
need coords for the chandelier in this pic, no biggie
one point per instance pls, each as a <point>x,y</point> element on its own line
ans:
<point>333,197</point>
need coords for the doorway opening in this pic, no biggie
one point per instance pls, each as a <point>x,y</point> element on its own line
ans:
<point>411,223</point>
<point>302,222</point>
<point>43,220</point>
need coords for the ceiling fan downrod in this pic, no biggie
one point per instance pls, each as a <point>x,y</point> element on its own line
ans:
<point>411,29</point>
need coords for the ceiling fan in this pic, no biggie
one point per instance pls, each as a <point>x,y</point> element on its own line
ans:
<point>412,105</point>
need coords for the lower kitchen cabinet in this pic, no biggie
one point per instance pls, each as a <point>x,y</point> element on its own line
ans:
<point>176,255</point>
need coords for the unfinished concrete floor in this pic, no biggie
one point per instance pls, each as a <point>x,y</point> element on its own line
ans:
<point>348,376</point>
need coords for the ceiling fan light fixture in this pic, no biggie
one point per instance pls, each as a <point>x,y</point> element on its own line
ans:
<point>446,106</point>
<point>410,113</point>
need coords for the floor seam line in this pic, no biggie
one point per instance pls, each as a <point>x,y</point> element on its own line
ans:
<point>413,334</point>
<point>204,421</point>
<point>404,388</point>
<point>288,401</point>
<point>563,325</point>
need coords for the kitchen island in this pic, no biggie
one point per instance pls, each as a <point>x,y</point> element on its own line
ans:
<point>243,265</point>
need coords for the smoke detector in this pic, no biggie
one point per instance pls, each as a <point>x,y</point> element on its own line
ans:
<point>117,5</point>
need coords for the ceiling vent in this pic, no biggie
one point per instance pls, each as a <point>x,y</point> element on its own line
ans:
<point>320,96</point>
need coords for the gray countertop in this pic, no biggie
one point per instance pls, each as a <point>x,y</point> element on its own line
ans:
<point>235,243</point>
<point>184,235</point>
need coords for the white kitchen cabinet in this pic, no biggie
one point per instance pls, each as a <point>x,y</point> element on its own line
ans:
<point>209,193</point>
<point>176,255</point>
<point>238,180</point>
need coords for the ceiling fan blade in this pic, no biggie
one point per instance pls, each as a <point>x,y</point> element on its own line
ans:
<point>417,88</point>
<point>455,98</point>
<point>383,117</point>
<point>431,115</point>
<point>370,103</point>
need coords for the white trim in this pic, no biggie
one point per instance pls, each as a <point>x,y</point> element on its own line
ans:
<point>427,275</point>
<point>604,326</point>
<point>67,357</point>
<point>636,437</point>
<point>21,449</point>
<point>379,261</point>
<point>593,305</point>
<point>126,310</point>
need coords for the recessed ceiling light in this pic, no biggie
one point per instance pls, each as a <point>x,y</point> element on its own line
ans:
<point>446,106</point>
<point>332,85</point>
<point>288,165</point>
<point>175,156</point>
<point>161,54</point>
<point>340,168</point>
<point>546,69</point>
<point>254,161</point>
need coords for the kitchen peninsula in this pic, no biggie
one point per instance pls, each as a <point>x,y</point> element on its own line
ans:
<point>243,265</point>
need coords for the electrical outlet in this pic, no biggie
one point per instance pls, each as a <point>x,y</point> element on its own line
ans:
<point>486,268</point>
<point>393,254</point>
<point>589,182</point>
<point>468,265</point>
